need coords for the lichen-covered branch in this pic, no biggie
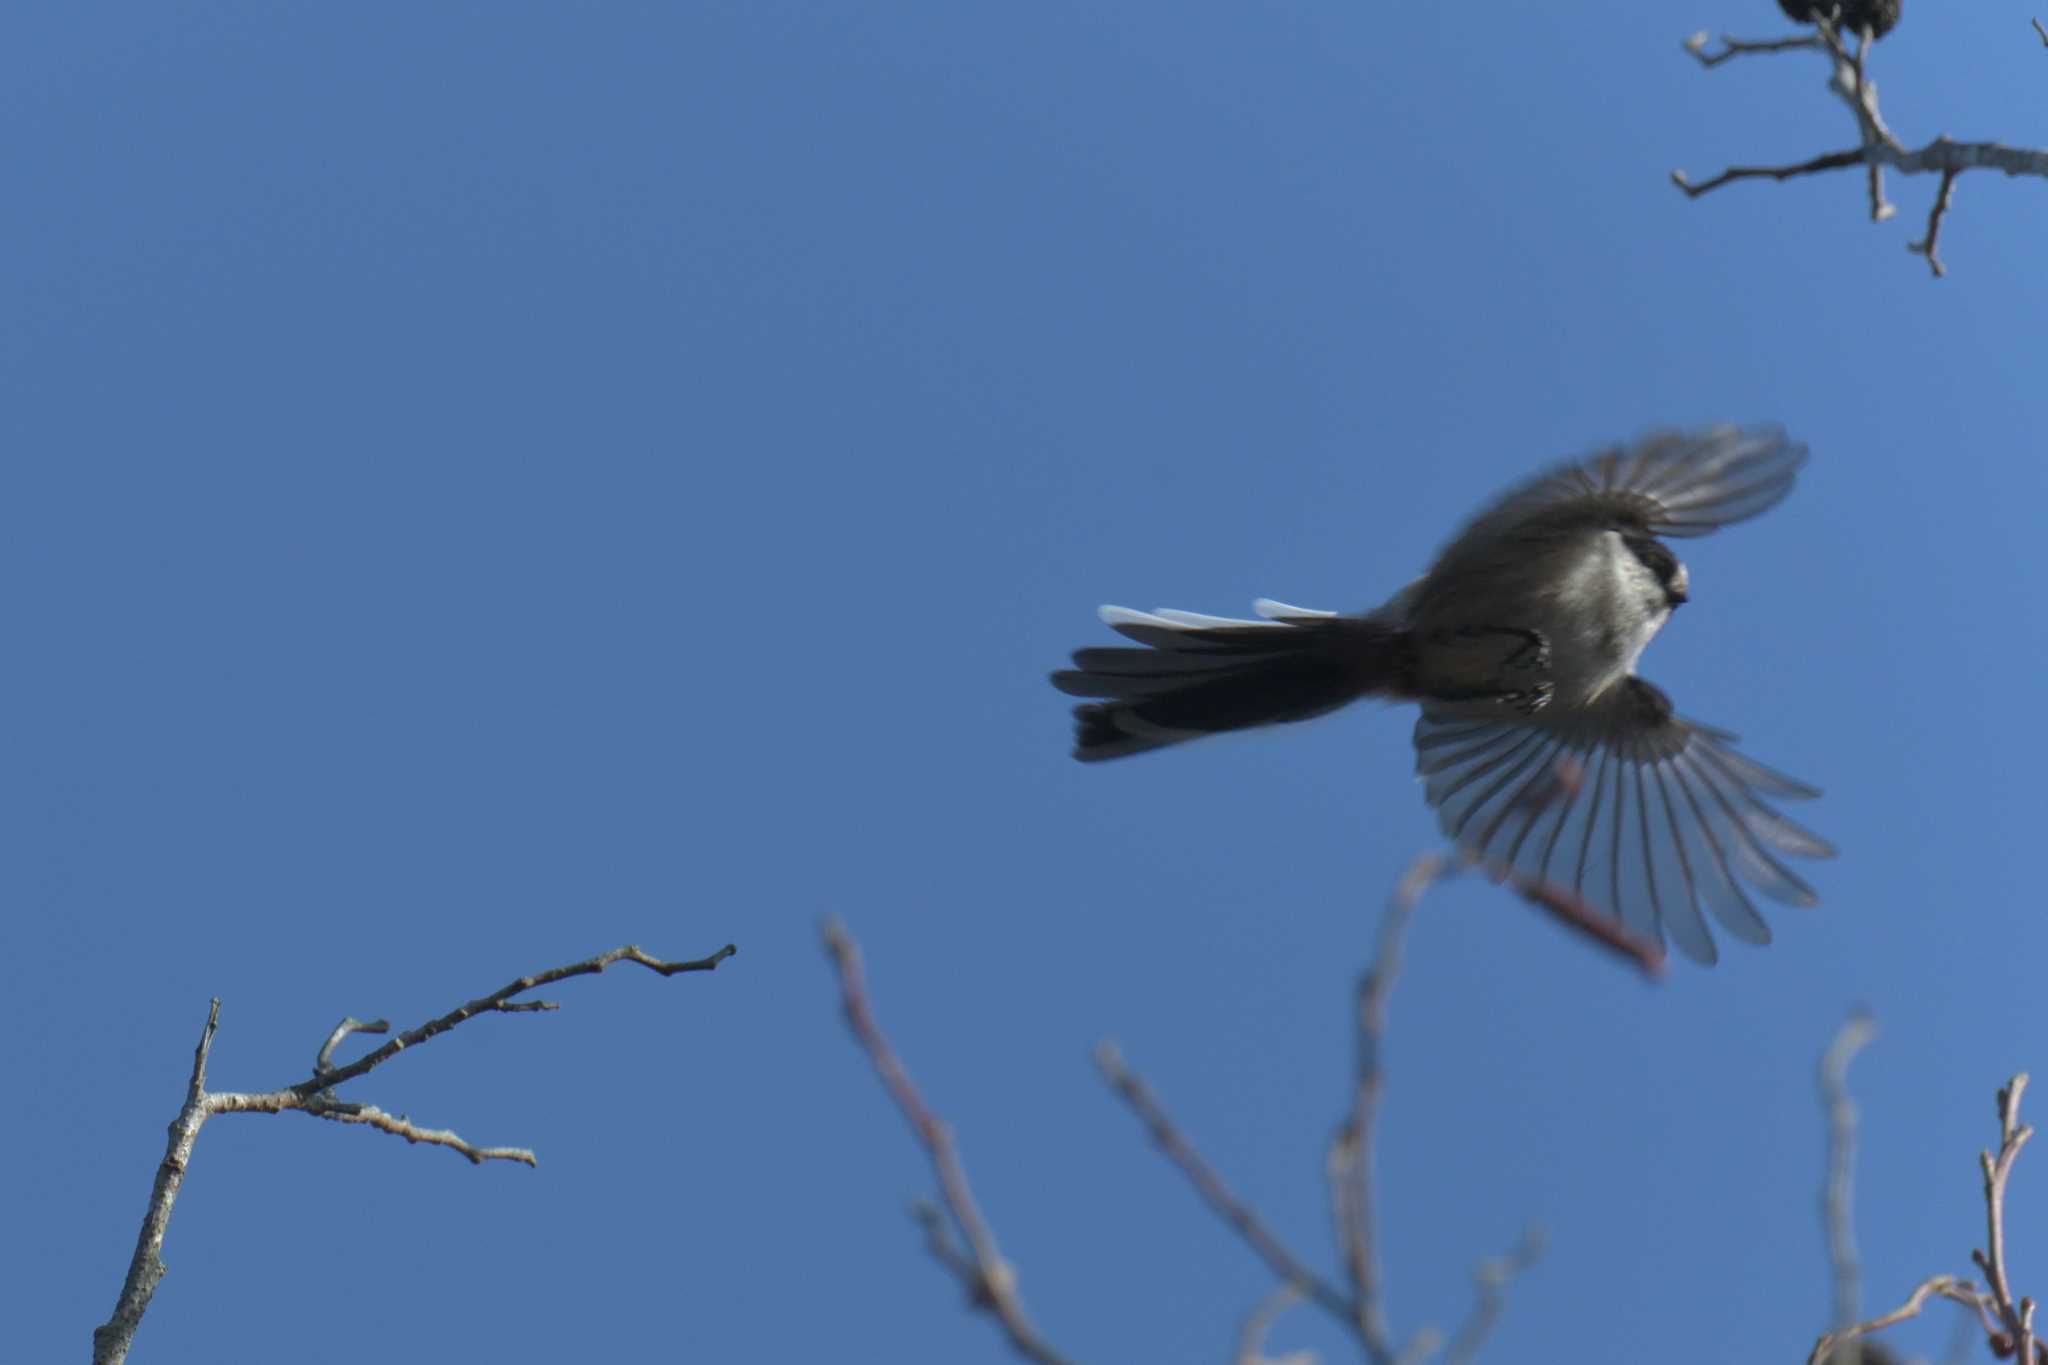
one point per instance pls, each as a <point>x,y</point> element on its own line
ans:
<point>990,1281</point>
<point>112,1339</point>
<point>1877,147</point>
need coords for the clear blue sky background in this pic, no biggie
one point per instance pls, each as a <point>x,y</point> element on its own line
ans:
<point>489,482</point>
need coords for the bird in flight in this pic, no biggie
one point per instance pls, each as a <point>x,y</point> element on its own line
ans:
<point>1544,754</point>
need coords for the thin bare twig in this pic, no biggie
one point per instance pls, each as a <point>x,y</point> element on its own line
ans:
<point>324,1061</point>
<point>1837,1202</point>
<point>1286,1266</point>
<point>1348,1165</point>
<point>1736,47</point>
<point>1831,161</point>
<point>113,1338</point>
<point>1251,1338</point>
<point>991,1282</point>
<point>2042,31</point>
<point>1583,917</point>
<point>1946,1286</point>
<point>2008,1323</point>
<point>1349,1162</point>
<point>1490,1279</point>
<point>1928,246</point>
<point>500,1002</point>
<point>2017,1318</point>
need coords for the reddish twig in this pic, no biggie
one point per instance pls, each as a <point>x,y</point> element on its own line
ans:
<point>1577,913</point>
<point>991,1281</point>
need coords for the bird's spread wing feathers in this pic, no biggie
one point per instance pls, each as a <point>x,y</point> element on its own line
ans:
<point>1668,483</point>
<point>1650,816</point>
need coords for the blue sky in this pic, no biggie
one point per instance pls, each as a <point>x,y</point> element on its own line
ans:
<point>487,483</point>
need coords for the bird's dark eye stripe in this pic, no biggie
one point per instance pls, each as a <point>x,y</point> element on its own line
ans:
<point>1654,555</point>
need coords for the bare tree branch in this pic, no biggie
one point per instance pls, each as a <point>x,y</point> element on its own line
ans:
<point>1877,147</point>
<point>110,1341</point>
<point>1926,246</point>
<point>2007,1322</point>
<point>1491,1279</point>
<point>1349,1163</point>
<point>1946,1286</point>
<point>1583,917</point>
<point>500,1002</point>
<point>2017,1318</point>
<point>1251,1338</point>
<point>113,1338</point>
<point>1288,1267</point>
<point>990,1281</point>
<point>1837,1203</point>
<point>1737,47</point>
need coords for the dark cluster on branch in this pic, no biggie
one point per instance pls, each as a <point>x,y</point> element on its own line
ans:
<point>1872,17</point>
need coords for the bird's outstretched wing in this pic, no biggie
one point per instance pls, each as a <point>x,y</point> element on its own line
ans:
<point>1647,815</point>
<point>1669,483</point>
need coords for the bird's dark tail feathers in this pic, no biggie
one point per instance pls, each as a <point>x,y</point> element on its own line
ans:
<point>1203,675</point>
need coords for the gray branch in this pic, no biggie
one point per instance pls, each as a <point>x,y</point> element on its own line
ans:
<point>112,1339</point>
<point>1837,1203</point>
<point>971,1255</point>
<point>1877,147</point>
<point>2007,1322</point>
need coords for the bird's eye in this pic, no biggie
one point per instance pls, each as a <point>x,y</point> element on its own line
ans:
<point>1655,556</point>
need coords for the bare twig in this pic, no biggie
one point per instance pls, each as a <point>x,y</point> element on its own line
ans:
<point>1349,1162</point>
<point>990,1281</point>
<point>1251,1338</point>
<point>2042,31</point>
<point>1837,1203</point>
<point>1946,1286</point>
<point>1736,47</point>
<point>500,1002</point>
<point>2008,1323</point>
<point>1286,1266</point>
<point>1348,1166</point>
<point>2017,1318</point>
<point>1927,246</point>
<point>324,1062</point>
<point>1831,161</point>
<point>1580,915</point>
<point>1877,147</point>
<point>112,1339</point>
<point>1490,1280</point>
